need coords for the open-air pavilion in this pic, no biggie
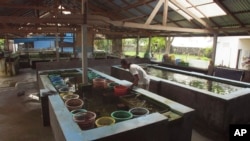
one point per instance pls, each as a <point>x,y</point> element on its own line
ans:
<point>58,24</point>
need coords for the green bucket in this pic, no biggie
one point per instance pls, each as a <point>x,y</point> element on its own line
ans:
<point>121,115</point>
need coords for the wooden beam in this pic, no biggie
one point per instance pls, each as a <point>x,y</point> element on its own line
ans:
<point>147,27</point>
<point>64,19</point>
<point>234,29</point>
<point>162,28</point>
<point>33,7</point>
<point>165,13</point>
<point>154,12</point>
<point>44,30</point>
<point>191,14</point>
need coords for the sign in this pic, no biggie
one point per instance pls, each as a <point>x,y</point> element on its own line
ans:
<point>239,132</point>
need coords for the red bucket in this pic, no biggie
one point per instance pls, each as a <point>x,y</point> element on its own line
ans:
<point>120,90</point>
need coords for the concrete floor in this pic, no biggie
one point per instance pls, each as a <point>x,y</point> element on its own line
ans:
<point>20,111</point>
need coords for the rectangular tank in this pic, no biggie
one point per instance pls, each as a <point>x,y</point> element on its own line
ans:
<point>218,102</point>
<point>172,123</point>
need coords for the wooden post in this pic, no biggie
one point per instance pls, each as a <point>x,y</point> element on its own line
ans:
<point>214,48</point>
<point>137,46</point>
<point>84,43</point>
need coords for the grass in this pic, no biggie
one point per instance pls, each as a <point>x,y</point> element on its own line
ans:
<point>158,56</point>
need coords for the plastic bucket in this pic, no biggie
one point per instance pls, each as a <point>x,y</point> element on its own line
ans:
<point>120,90</point>
<point>78,111</point>
<point>63,89</point>
<point>65,93</point>
<point>53,79</point>
<point>86,120</point>
<point>104,121</point>
<point>121,115</point>
<point>59,82</point>
<point>177,61</point>
<point>111,85</point>
<point>73,104</point>
<point>107,82</point>
<point>58,86</point>
<point>99,83</point>
<point>53,75</point>
<point>70,96</point>
<point>139,111</point>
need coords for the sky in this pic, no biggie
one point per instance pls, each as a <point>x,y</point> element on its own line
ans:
<point>199,42</point>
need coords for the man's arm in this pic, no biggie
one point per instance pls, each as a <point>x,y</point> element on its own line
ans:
<point>135,81</point>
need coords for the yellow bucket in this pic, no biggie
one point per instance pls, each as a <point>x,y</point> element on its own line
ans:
<point>104,121</point>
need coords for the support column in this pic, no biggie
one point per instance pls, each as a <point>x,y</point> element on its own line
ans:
<point>214,48</point>
<point>212,61</point>
<point>6,44</point>
<point>74,46</point>
<point>148,51</point>
<point>84,43</point>
<point>137,46</point>
<point>57,48</point>
<point>117,47</point>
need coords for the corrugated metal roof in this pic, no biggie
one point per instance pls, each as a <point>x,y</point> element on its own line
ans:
<point>119,15</point>
<point>237,5</point>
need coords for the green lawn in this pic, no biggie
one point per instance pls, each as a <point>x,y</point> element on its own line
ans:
<point>158,56</point>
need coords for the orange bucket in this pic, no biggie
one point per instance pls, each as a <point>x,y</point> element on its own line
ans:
<point>120,90</point>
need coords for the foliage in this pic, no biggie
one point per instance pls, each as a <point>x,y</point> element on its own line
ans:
<point>143,42</point>
<point>132,42</point>
<point>102,44</point>
<point>131,53</point>
<point>1,44</point>
<point>169,41</point>
<point>207,52</point>
<point>158,56</point>
<point>157,44</point>
<point>129,42</point>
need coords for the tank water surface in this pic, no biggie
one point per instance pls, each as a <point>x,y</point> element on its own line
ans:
<point>200,83</point>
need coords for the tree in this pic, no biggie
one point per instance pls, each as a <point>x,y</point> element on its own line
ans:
<point>157,45</point>
<point>102,44</point>
<point>143,42</point>
<point>1,44</point>
<point>168,41</point>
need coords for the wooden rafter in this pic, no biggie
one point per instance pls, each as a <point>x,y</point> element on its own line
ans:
<point>165,13</point>
<point>154,12</point>
<point>31,12</point>
<point>190,14</point>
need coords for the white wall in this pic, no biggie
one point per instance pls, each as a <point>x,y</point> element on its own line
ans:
<point>227,50</point>
<point>244,45</point>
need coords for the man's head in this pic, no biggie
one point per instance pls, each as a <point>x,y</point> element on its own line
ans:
<point>124,64</point>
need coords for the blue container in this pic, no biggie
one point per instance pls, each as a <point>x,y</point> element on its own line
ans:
<point>177,61</point>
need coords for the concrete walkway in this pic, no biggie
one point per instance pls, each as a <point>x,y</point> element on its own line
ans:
<point>20,111</point>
